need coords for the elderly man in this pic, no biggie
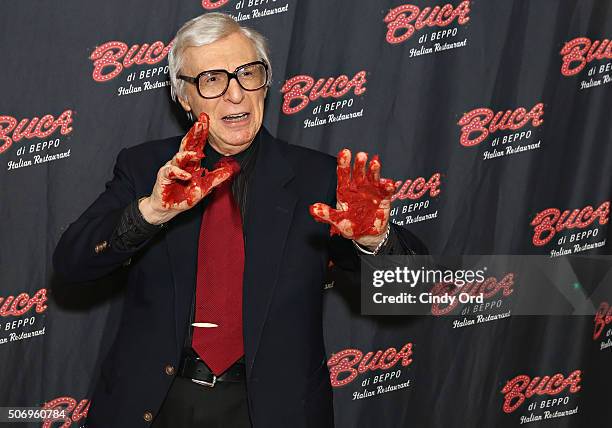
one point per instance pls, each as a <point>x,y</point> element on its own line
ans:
<point>222,321</point>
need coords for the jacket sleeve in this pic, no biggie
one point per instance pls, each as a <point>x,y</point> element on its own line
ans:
<point>132,229</point>
<point>84,252</point>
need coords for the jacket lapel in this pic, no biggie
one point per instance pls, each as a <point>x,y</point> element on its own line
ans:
<point>269,211</point>
<point>182,239</point>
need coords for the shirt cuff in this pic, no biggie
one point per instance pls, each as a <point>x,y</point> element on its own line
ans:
<point>133,230</point>
<point>393,245</point>
<point>379,250</point>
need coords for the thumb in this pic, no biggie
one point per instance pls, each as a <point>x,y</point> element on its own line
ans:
<point>320,212</point>
<point>214,178</point>
<point>325,214</point>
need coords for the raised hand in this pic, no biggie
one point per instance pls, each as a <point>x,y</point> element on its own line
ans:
<point>180,184</point>
<point>363,201</point>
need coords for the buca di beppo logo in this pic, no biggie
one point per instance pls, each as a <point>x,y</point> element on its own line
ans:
<point>477,124</point>
<point>247,9</point>
<point>415,189</point>
<point>111,58</point>
<point>346,365</point>
<point>412,190</point>
<point>12,130</point>
<point>517,390</point>
<point>488,288</point>
<point>551,221</point>
<point>16,306</point>
<point>603,317</point>
<point>404,20</point>
<point>65,410</point>
<point>213,4</point>
<point>300,90</point>
<point>578,52</point>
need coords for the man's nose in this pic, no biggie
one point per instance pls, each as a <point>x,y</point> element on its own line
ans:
<point>234,93</point>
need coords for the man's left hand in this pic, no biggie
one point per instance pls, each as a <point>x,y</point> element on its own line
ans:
<point>363,201</point>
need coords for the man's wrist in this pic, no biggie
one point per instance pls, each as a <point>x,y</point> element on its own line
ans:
<point>374,245</point>
<point>148,212</point>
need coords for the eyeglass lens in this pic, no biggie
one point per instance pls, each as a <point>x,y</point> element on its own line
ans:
<point>251,77</point>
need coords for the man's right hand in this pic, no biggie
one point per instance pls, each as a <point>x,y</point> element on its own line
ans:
<point>180,184</point>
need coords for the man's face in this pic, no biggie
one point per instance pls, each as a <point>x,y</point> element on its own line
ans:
<point>227,137</point>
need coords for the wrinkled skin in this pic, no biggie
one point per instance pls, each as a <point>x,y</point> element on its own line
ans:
<point>363,201</point>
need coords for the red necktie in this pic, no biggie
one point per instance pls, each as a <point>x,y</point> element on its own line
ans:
<point>219,279</point>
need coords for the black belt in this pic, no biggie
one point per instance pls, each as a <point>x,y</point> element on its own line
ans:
<point>193,367</point>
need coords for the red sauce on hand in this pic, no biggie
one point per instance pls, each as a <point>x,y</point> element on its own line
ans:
<point>198,185</point>
<point>359,198</point>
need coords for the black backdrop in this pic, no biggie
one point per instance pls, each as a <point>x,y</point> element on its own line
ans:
<point>406,100</point>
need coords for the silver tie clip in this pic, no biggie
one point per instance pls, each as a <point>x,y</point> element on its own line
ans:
<point>204,324</point>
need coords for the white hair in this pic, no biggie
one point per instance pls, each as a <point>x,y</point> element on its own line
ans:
<point>204,30</point>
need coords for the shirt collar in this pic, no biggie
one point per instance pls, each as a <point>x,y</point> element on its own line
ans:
<point>244,157</point>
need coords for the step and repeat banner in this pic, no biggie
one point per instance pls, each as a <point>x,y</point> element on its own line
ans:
<point>493,115</point>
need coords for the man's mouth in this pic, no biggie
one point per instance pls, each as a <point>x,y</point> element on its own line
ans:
<point>235,117</point>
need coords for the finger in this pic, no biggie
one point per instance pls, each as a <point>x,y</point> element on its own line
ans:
<point>180,159</point>
<point>387,186</point>
<point>183,142</point>
<point>201,132</point>
<point>203,119</point>
<point>212,179</point>
<point>171,172</point>
<point>197,135</point>
<point>197,132</point>
<point>374,169</point>
<point>336,219</point>
<point>188,142</point>
<point>343,170</point>
<point>220,175</point>
<point>321,212</point>
<point>359,167</point>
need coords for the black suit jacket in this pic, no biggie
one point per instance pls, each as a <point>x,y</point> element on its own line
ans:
<point>286,256</point>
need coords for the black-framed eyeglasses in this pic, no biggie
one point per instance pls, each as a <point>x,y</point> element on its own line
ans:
<point>214,83</point>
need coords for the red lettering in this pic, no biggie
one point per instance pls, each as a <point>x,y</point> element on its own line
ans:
<point>578,52</point>
<point>522,387</point>
<point>603,317</point>
<point>399,20</point>
<point>73,412</point>
<point>550,221</point>
<point>107,58</point>
<point>213,4</point>
<point>303,89</point>
<point>342,364</point>
<point>16,306</point>
<point>482,122</point>
<point>32,128</point>
<point>417,188</point>
<point>488,288</point>
<point>10,123</point>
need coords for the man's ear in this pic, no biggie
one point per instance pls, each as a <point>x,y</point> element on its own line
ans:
<point>184,103</point>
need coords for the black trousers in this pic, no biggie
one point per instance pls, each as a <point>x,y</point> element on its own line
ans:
<point>189,405</point>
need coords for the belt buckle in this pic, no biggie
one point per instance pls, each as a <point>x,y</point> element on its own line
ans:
<point>203,382</point>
